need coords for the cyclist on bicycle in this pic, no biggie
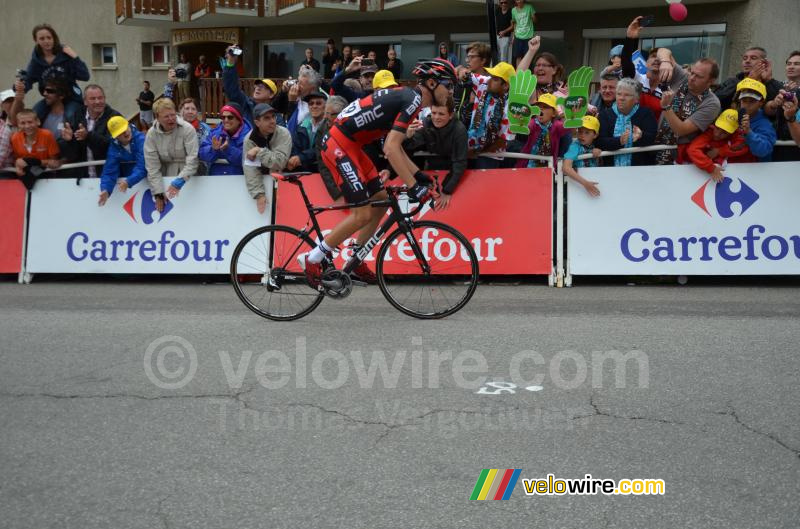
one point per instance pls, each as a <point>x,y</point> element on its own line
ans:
<point>385,114</point>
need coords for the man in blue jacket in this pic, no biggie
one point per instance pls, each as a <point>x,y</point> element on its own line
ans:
<point>125,158</point>
<point>304,138</point>
<point>263,91</point>
<point>759,134</point>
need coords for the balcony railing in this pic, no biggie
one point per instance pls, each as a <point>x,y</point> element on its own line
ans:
<point>255,7</point>
<point>283,4</point>
<point>160,8</point>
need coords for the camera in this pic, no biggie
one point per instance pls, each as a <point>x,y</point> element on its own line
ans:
<point>290,82</point>
<point>21,74</point>
<point>368,62</point>
<point>647,20</point>
<point>235,50</point>
<point>789,96</point>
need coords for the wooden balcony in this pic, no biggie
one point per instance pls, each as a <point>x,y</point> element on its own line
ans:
<point>168,10</point>
<point>198,8</point>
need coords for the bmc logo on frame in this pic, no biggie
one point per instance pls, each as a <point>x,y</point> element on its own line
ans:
<point>140,207</point>
<point>723,197</point>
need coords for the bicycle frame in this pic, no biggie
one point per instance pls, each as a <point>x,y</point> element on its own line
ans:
<point>396,216</point>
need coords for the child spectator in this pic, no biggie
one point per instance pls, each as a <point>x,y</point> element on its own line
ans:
<point>266,148</point>
<point>50,59</point>
<point>125,159</point>
<point>759,134</point>
<point>34,148</point>
<point>488,129</point>
<point>721,142</point>
<point>225,142</point>
<point>523,16</point>
<point>547,137</point>
<point>583,144</point>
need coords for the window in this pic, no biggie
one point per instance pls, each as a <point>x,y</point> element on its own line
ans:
<point>159,53</point>
<point>687,50</point>
<point>108,54</point>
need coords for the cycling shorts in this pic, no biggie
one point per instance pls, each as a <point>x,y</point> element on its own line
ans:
<point>352,169</point>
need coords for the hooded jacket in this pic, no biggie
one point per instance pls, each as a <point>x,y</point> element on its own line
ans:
<point>169,154</point>
<point>62,66</point>
<point>123,163</point>
<point>761,138</point>
<point>232,154</point>
<point>449,143</point>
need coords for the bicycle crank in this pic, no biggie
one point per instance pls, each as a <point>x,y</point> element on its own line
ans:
<point>336,284</point>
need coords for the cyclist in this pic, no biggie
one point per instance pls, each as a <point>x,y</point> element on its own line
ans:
<point>387,114</point>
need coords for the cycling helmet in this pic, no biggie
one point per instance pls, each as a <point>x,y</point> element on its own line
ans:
<point>438,69</point>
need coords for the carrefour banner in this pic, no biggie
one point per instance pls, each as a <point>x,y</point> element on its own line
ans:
<point>676,221</point>
<point>195,234</point>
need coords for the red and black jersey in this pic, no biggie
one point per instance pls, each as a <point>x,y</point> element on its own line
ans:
<point>365,120</point>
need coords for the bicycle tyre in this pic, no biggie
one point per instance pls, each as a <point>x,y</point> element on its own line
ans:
<point>252,274</point>
<point>399,280</point>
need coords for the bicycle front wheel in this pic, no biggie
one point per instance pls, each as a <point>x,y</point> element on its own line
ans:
<point>267,275</point>
<point>429,273</point>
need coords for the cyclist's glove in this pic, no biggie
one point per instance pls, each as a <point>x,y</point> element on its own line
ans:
<point>419,193</point>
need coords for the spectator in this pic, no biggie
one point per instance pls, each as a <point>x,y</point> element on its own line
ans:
<point>479,56</point>
<point>756,66</point>
<point>34,148</point>
<point>446,138</point>
<point>170,87</point>
<point>49,59</point>
<point>446,55</point>
<point>383,79</point>
<point>347,55</point>
<point>792,116</point>
<point>333,107</point>
<point>394,64</point>
<point>125,159</point>
<point>549,72</point>
<point>145,102</point>
<point>304,155</point>
<point>86,139</point>
<point>183,72</point>
<point>222,148</point>
<point>607,95</point>
<point>310,61</point>
<point>170,148</point>
<point>775,109</point>
<point>627,124</point>
<point>189,114</point>
<point>547,136</point>
<point>759,134</point>
<point>614,62</point>
<point>7,99</point>
<point>366,75</point>
<point>308,81</point>
<point>504,26</point>
<point>264,90</point>
<point>687,111</point>
<point>266,149</point>
<point>202,71</point>
<point>488,130</point>
<point>329,58</point>
<point>55,114</point>
<point>356,53</point>
<point>523,16</point>
<point>583,144</point>
<point>373,56</point>
<point>720,143</point>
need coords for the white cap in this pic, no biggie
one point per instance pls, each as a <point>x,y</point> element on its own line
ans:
<point>6,94</point>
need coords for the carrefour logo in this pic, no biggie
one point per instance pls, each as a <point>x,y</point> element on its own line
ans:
<point>145,206</point>
<point>721,197</point>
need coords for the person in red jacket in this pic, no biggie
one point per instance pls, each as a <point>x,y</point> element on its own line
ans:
<point>721,143</point>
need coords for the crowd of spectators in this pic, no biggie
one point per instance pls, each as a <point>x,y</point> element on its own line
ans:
<point>280,125</point>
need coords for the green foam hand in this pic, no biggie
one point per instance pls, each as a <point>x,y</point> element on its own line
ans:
<point>577,102</point>
<point>520,111</point>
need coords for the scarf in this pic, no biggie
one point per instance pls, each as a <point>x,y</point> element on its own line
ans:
<point>487,117</point>
<point>684,105</point>
<point>543,145</point>
<point>584,149</point>
<point>624,123</point>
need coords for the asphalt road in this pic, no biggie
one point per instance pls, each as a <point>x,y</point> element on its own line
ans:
<point>104,424</point>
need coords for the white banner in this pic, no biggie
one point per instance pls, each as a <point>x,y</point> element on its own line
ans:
<point>676,221</point>
<point>196,234</point>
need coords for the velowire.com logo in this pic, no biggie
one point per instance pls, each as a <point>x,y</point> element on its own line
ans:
<point>495,484</point>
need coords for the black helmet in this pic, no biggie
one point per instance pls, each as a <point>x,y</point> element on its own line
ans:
<point>439,69</point>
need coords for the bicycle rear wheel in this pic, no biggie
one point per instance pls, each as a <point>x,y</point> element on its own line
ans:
<point>267,276</point>
<point>441,290</point>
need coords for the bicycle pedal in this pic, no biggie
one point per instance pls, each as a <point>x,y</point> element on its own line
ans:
<point>357,283</point>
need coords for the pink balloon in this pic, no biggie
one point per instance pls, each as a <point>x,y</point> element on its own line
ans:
<point>678,12</point>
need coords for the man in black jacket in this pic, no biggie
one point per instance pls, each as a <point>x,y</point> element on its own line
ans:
<point>756,65</point>
<point>445,137</point>
<point>86,138</point>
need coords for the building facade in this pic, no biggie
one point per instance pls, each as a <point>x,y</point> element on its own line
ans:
<point>127,41</point>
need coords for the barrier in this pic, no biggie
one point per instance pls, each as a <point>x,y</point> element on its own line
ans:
<point>506,213</point>
<point>13,205</point>
<point>196,234</point>
<point>675,221</point>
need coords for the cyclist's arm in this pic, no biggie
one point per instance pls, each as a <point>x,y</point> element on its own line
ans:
<point>399,160</point>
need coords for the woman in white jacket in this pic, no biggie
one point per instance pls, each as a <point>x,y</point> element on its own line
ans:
<point>170,148</point>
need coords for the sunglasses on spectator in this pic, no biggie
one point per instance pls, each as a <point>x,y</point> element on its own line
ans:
<point>316,102</point>
<point>228,117</point>
<point>50,91</point>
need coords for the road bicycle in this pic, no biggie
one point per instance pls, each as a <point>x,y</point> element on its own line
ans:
<point>425,269</point>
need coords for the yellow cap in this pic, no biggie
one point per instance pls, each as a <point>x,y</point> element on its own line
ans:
<point>117,125</point>
<point>728,121</point>
<point>591,123</point>
<point>752,85</point>
<point>548,99</point>
<point>383,79</point>
<point>269,83</point>
<point>503,70</point>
